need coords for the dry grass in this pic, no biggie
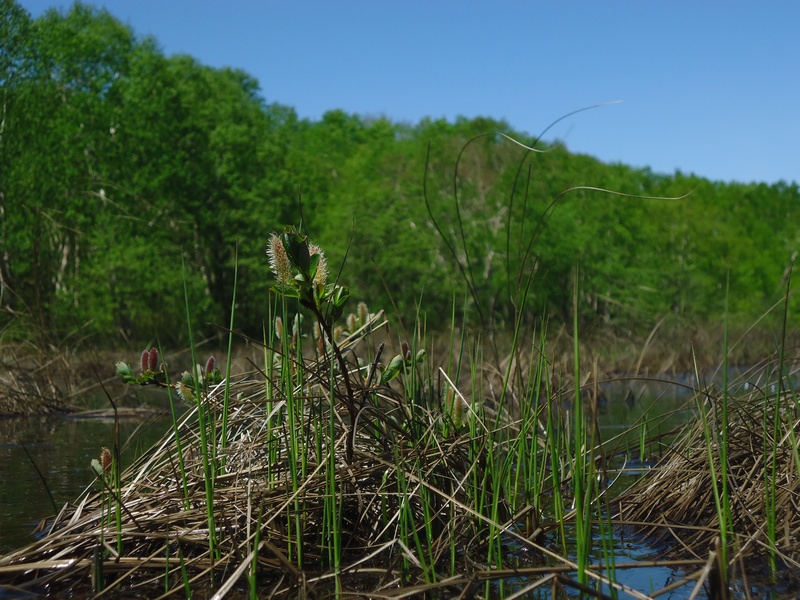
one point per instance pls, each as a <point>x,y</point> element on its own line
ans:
<point>391,479</point>
<point>32,381</point>
<point>675,505</point>
<point>408,520</point>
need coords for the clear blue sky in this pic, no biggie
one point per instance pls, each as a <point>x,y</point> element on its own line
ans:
<point>708,87</point>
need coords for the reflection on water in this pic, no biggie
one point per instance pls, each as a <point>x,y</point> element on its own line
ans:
<point>62,449</point>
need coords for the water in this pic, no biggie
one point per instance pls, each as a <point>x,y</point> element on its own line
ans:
<point>62,449</point>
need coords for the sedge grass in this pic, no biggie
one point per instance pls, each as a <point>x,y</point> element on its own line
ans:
<point>229,358</point>
<point>760,463</point>
<point>427,509</point>
<point>207,450</point>
<point>424,502</point>
<point>580,478</point>
<point>345,472</point>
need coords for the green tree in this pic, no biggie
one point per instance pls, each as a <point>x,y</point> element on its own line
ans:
<point>56,127</point>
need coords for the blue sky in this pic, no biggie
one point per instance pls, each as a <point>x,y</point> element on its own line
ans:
<point>707,87</point>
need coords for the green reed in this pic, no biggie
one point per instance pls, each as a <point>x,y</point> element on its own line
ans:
<point>322,415</point>
<point>580,478</point>
<point>207,449</point>
<point>713,444</point>
<point>771,472</point>
<point>771,476</point>
<point>228,359</point>
<point>273,329</point>
<point>331,535</point>
<point>726,520</point>
<point>290,372</point>
<point>187,584</point>
<point>643,441</point>
<point>476,492</point>
<point>716,432</point>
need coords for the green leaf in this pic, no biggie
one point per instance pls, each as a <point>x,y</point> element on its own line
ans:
<point>126,373</point>
<point>286,290</point>
<point>97,468</point>
<point>124,369</point>
<point>393,370</point>
<point>340,296</point>
<point>312,267</point>
<point>297,248</point>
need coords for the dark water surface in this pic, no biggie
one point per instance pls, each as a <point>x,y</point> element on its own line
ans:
<point>62,448</point>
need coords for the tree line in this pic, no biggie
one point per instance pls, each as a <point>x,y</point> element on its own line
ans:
<point>127,175</point>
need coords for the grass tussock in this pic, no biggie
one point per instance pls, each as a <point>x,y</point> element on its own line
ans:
<point>336,467</point>
<point>428,501</point>
<point>675,506</point>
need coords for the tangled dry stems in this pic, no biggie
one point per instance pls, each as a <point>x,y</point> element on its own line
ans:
<point>164,522</point>
<point>675,505</point>
<point>403,467</point>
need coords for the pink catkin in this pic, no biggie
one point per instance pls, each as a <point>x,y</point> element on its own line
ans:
<point>210,364</point>
<point>152,362</point>
<point>105,460</point>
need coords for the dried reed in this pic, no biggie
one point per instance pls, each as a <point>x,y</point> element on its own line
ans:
<point>675,505</point>
<point>425,505</point>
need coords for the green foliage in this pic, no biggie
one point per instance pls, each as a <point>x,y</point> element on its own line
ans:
<point>120,163</point>
<point>302,273</point>
<point>399,364</point>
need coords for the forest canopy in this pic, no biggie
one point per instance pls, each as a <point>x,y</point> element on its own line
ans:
<point>125,173</point>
